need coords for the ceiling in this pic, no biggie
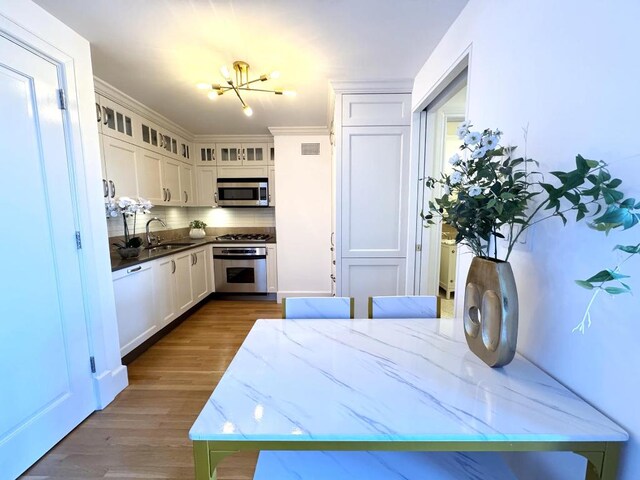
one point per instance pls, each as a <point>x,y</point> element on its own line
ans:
<point>156,51</point>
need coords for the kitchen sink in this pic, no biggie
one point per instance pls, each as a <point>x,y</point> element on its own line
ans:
<point>169,246</point>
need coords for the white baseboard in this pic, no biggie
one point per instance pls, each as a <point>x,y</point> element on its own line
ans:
<point>282,295</point>
<point>108,384</point>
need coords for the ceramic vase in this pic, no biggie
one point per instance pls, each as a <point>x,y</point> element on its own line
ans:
<point>491,311</point>
<point>197,233</point>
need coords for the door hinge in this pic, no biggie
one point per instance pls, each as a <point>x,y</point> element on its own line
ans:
<point>418,247</point>
<point>78,241</point>
<point>92,361</point>
<point>62,99</point>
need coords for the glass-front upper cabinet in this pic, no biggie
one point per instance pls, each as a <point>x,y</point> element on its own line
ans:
<point>206,154</point>
<point>115,120</point>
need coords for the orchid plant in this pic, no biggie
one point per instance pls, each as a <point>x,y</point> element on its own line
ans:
<point>492,194</point>
<point>128,207</point>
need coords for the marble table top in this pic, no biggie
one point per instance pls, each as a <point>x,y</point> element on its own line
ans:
<point>387,380</point>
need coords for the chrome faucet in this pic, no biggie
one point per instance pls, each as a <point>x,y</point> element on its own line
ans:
<point>151,238</point>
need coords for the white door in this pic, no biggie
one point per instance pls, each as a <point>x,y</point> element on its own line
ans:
<point>44,354</point>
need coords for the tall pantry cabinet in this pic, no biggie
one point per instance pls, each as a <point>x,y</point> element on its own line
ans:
<point>372,133</point>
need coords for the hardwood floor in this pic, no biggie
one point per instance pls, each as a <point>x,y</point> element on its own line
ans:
<point>143,434</point>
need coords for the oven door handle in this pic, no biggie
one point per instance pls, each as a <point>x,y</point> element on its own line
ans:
<point>239,257</point>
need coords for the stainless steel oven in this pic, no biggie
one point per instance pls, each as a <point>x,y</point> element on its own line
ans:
<point>243,192</point>
<point>240,269</point>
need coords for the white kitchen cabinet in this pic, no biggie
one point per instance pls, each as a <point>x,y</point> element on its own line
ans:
<point>150,176</point>
<point>272,270</point>
<point>185,151</point>
<point>184,296</point>
<point>115,120</point>
<point>271,153</point>
<point>158,139</point>
<point>272,186</point>
<point>242,172</point>
<point>371,175</point>
<point>255,154</point>
<point>205,154</point>
<point>136,311</point>
<point>199,277</point>
<point>188,196</point>
<point>171,181</point>
<point>164,289</point>
<point>206,180</point>
<point>448,254</point>
<point>229,154</point>
<point>120,165</point>
<point>211,284</point>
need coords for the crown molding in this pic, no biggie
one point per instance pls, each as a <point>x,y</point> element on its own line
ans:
<point>209,138</point>
<point>299,131</point>
<point>121,98</point>
<point>403,85</point>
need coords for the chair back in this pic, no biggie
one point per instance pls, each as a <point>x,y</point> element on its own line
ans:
<point>426,306</point>
<point>317,307</point>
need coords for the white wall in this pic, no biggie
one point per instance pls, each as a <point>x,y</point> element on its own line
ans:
<point>570,71</point>
<point>303,216</point>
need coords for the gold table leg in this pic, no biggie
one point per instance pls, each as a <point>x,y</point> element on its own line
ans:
<point>206,461</point>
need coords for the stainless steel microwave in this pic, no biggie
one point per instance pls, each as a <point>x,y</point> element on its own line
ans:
<point>243,192</point>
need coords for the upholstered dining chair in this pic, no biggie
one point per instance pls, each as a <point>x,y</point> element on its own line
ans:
<point>407,306</point>
<point>317,307</point>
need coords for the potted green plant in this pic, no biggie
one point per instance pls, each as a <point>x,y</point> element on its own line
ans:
<point>128,207</point>
<point>492,195</point>
<point>197,229</point>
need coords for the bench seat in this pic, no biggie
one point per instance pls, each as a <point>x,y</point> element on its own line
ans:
<point>381,465</point>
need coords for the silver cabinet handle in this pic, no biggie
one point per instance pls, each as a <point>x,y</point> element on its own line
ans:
<point>113,188</point>
<point>160,140</point>
<point>195,255</point>
<point>105,188</point>
<point>105,115</point>
<point>186,196</point>
<point>98,113</point>
<point>332,235</point>
<point>173,264</point>
<point>164,194</point>
<point>215,197</point>
<point>135,269</point>
<point>244,154</point>
<point>169,191</point>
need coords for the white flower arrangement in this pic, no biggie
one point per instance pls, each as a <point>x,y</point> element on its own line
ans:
<point>128,207</point>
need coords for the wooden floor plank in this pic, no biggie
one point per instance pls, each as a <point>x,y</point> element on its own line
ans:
<point>143,434</point>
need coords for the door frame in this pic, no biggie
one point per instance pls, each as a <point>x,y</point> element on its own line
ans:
<point>19,21</point>
<point>418,253</point>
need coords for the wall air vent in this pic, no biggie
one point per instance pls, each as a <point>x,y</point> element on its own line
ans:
<point>310,148</point>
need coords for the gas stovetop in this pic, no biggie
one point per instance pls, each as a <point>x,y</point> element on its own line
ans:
<point>244,237</point>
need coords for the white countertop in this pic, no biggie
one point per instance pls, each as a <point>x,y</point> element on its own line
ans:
<point>387,380</point>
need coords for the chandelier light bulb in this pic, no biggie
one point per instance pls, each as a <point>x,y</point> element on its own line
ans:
<point>289,93</point>
<point>212,95</point>
<point>248,111</point>
<point>203,86</point>
<point>275,74</point>
<point>225,72</point>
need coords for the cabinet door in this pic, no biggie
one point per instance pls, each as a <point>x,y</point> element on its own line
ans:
<point>209,265</point>
<point>135,306</point>
<point>271,153</point>
<point>242,172</point>
<point>187,196</point>
<point>376,109</point>
<point>150,137</point>
<point>171,183</point>
<point>229,154</point>
<point>199,280</point>
<point>374,171</point>
<point>120,160</point>
<point>255,154</point>
<point>150,176</point>
<point>182,281</point>
<point>366,277</point>
<point>272,271</point>
<point>206,154</point>
<point>272,186</point>
<point>164,289</point>
<point>206,179</point>
<point>184,151</point>
<point>117,121</point>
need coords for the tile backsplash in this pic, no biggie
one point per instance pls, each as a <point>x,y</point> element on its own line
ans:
<point>180,217</point>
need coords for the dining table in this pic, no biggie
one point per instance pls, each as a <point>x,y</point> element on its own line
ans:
<point>390,385</point>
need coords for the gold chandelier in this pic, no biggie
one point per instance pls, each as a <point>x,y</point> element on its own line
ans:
<point>241,83</point>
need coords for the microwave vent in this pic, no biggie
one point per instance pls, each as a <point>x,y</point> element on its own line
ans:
<point>310,149</point>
